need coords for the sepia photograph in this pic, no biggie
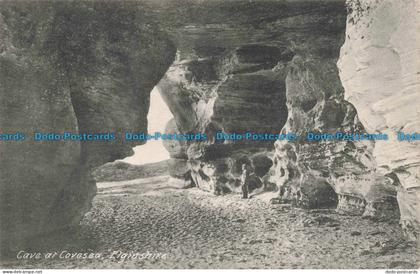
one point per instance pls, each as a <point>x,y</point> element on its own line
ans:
<point>210,134</point>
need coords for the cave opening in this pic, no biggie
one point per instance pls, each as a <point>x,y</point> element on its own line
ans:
<point>157,118</point>
<point>149,159</point>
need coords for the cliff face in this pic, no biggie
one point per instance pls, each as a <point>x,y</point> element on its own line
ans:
<point>379,64</point>
<point>79,67</point>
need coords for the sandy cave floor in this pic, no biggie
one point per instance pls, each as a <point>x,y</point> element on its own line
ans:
<point>198,230</point>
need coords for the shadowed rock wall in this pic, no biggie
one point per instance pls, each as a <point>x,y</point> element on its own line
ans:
<point>83,67</point>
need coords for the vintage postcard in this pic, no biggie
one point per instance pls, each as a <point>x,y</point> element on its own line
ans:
<point>210,134</point>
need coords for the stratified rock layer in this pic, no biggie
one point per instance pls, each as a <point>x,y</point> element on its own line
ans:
<point>224,95</point>
<point>229,76</point>
<point>82,67</point>
<point>379,66</point>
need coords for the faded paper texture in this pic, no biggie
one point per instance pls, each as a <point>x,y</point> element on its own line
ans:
<point>239,86</point>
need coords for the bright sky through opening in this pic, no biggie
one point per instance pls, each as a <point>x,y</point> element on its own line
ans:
<point>153,151</point>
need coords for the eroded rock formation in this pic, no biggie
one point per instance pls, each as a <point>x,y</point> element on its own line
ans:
<point>214,95</point>
<point>229,76</point>
<point>327,173</point>
<point>177,164</point>
<point>80,67</point>
<point>379,66</point>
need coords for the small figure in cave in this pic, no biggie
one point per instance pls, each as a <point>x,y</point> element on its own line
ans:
<point>245,177</point>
